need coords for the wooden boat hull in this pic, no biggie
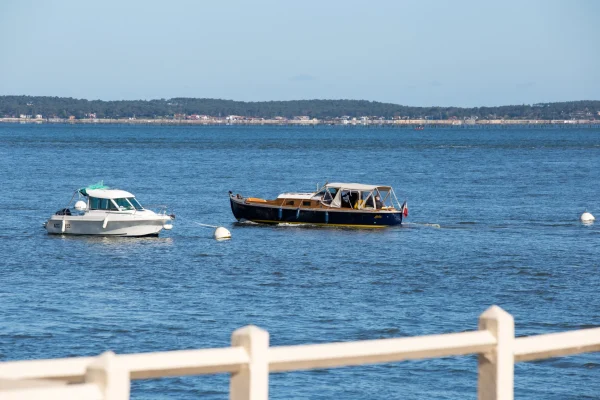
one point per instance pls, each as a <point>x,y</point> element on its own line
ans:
<point>270,214</point>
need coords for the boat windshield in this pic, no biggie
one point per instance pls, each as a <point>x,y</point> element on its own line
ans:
<point>129,203</point>
<point>135,203</point>
<point>326,195</point>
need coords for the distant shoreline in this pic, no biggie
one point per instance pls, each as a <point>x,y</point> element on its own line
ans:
<point>412,123</point>
<point>177,111</point>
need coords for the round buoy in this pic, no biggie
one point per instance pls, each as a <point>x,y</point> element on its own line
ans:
<point>587,217</point>
<point>222,233</point>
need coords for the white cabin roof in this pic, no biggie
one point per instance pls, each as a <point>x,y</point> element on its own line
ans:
<point>108,193</point>
<point>356,186</point>
<point>306,196</point>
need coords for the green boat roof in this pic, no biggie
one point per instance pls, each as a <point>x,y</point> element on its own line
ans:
<point>99,185</point>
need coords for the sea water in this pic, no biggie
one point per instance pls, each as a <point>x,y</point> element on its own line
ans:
<point>493,220</point>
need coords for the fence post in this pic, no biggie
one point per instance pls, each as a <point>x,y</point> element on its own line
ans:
<point>496,369</point>
<point>252,382</point>
<point>112,378</point>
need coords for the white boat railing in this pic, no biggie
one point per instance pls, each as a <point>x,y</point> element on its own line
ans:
<point>160,209</point>
<point>250,360</point>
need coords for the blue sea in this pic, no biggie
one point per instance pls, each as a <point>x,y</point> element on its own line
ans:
<point>493,220</point>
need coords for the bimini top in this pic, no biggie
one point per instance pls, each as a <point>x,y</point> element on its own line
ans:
<point>356,186</point>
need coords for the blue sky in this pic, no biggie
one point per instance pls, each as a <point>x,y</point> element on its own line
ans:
<point>420,53</point>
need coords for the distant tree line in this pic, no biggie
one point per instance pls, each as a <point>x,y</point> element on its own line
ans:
<point>64,107</point>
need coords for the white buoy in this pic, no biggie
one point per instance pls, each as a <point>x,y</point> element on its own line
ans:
<point>587,217</point>
<point>222,233</point>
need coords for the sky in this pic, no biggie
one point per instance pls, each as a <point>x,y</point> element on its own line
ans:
<point>466,53</point>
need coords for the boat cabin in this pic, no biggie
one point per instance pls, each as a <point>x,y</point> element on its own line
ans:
<point>111,200</point>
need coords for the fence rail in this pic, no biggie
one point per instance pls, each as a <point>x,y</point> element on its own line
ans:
<point>250,360</point>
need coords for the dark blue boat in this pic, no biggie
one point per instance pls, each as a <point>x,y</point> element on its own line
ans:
<point>335,204</point>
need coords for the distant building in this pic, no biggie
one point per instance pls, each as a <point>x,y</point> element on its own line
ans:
<point>38,116</point>
<point>71,117</point>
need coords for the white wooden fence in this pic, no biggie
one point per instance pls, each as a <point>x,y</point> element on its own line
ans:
<point>249,360</point>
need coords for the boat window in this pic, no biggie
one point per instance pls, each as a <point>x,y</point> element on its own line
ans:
<point>135,203</point>
<point>350,198</point>
<point>101,204</point>
<point>330,194</point>
<point>367,199</point>
<point>345,196</point>
<point>290,202</point>
<point>124,204</point>
<point>106,204</point>
<point>306,203</point>
<point>326,195</point>
<point>384,196</point>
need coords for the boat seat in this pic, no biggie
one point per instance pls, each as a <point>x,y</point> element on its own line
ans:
<point>256,200</point>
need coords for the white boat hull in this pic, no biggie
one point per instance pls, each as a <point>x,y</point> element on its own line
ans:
<point>112,224</point>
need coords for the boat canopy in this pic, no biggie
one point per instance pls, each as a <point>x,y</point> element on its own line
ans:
<point>355,195</point>
<point>356,186</point>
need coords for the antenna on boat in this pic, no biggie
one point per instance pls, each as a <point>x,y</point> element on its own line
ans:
<point>319,185</point>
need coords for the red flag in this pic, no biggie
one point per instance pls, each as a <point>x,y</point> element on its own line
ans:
<point>405,209</point>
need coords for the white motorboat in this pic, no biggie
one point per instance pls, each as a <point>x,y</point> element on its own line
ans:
<point>100,210</point>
